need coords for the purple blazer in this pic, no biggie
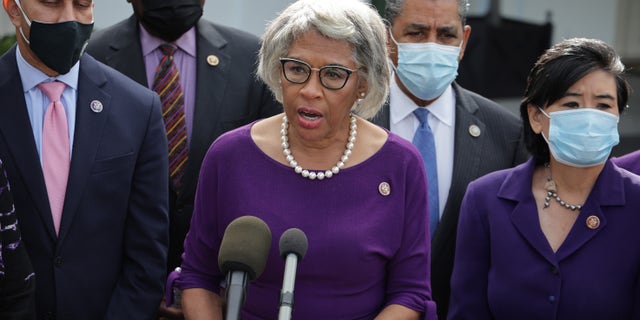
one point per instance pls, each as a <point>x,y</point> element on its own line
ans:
<point>505,269</point>
<point>629,161</point>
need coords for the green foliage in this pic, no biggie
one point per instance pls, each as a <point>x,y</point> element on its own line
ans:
<point>6,42</point>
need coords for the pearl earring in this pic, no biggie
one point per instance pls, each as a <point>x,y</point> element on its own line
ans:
<point>359,100</point>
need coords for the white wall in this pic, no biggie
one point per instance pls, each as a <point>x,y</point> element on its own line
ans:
<point>609,21</point>
<point>248,15</point>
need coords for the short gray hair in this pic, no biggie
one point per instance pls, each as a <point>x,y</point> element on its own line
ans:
<point>349,20</point>
<point>393,9</point>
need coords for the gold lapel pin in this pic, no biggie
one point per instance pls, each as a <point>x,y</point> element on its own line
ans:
<point>213,60</point>
<point>474,131</point>
<point>593,222</point>
<point>384,188</point>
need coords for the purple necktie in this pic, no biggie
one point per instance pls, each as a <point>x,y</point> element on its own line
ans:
<point>166,83</point>
<point>55,149</point>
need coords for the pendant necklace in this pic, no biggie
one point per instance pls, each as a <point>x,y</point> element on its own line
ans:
<point>550,187</point>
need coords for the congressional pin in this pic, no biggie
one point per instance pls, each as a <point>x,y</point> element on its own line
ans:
<point>213,60</point>
<point>474,130</point>
<point>593,222</point>
<point>384,188</point>
<point>96,106</point>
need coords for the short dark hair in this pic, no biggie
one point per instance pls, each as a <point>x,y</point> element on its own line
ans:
<point>393,8</point>
<point>556,71</point>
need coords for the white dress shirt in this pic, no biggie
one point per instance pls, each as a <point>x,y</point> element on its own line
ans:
<point>404,123</point>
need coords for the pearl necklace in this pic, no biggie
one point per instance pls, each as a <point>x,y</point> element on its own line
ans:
<point>550,186</point>
<point>320,174</point>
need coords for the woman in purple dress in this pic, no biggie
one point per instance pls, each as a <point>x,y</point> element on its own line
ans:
<point>356,190</point>
<point>556,237</point>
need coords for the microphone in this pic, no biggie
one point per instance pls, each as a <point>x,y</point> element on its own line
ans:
<point>293,247</point>
<point>243,254</point>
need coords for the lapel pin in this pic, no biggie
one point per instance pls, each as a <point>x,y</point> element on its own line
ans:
<point>384,188</point>
<point>96,106</point>
<point>474,130</point>
<point>593,222</point>
<point>213,60</point>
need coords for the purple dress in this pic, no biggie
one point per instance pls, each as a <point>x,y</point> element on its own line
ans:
<point>367,248</point>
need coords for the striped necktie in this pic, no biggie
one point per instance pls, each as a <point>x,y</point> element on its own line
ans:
<point>424,141</point>
<point>166,83</point>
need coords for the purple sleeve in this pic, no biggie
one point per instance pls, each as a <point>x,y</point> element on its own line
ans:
<point>471,265</point>
<point>631,162</point>
<point>200,257</point>
<point>409,272</point>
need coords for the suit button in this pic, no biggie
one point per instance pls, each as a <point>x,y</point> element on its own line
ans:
<point>555,271</point>
<point>57,261</point>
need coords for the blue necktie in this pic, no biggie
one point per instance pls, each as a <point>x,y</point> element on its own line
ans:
<point>423,140</point>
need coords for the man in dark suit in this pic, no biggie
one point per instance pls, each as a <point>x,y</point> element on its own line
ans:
<point>473,136</point>
<point>216,67</point>
<point>95,221</point>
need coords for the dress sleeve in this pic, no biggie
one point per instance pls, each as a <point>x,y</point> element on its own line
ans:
<point>201,245</point>
<point>408,272</point>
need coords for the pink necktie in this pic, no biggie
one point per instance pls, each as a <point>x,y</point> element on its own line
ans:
<point>55,149</point>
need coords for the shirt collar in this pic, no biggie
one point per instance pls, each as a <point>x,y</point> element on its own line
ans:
<point>31,76</point>
<point>403,106</point>
<point>186,42</point>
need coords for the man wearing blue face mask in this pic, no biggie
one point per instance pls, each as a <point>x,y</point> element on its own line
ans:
<point>86,153</point>
<point>460,134</point>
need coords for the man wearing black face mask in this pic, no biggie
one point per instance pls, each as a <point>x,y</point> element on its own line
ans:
<point>215,67</point>
<point>86,152</point>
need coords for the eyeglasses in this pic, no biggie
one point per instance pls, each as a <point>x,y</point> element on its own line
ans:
<point>331,77</point>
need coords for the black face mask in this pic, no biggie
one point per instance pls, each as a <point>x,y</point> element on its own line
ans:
<point>58,45</point>
<point>170,19</point>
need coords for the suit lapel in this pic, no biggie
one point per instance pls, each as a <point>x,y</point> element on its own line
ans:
<point>524,217</point>
<point>466,163</point>
<point>607,191</point>
<point>126,50</point>
<point>209,97</point>
<point>15,127</point>
<point>89,130</point>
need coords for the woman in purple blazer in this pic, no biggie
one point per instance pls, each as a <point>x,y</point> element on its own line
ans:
<point>557,237</point>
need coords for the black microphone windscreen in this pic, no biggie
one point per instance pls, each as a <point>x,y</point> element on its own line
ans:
<point>245,246</point>
<point>293,241</point>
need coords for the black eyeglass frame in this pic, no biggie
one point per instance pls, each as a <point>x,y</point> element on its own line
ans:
<point>283,61</point>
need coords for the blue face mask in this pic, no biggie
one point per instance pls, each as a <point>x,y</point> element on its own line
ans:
<point>426,69</point>
<point>582,137</point>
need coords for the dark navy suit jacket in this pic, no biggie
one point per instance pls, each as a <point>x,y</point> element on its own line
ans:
<point>108,261</point>
<point>228,95</point>
<point>499,145</point>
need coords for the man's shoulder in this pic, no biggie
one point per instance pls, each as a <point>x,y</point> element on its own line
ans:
<point>110,32</point>
<point>232,35</point>
<point>486,109</point>
<point>112,81</point>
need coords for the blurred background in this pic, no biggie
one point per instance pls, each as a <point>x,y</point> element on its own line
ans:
<point>507,37</point>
